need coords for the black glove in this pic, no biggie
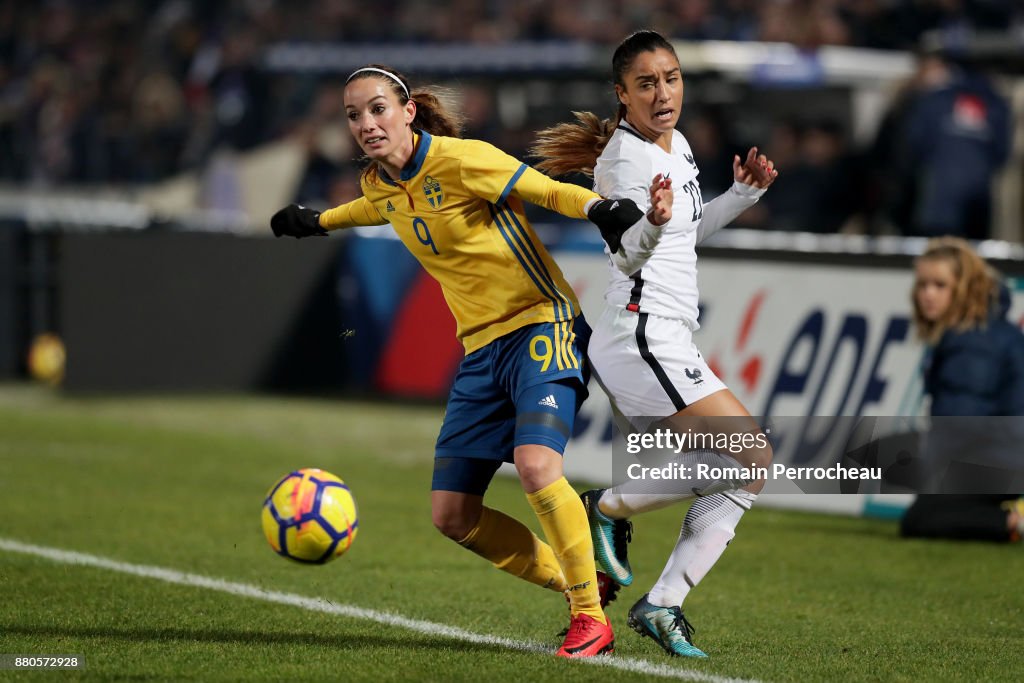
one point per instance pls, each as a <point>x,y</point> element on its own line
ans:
<point>613,217</point>
<point>296,221</point>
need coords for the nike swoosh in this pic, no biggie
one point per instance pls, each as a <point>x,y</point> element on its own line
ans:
<point>584,646</point>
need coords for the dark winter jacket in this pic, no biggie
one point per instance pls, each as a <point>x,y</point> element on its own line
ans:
<point>979,372</point>
<point>957,137</point>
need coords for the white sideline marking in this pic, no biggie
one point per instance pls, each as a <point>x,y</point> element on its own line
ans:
<point>639,666</point>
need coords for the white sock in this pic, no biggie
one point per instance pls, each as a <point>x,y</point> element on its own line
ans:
<point>625,500</point>
<point>644,495</point>
<point>709,525</point>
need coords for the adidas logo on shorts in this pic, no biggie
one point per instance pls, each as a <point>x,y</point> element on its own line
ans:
<point>548,401</point>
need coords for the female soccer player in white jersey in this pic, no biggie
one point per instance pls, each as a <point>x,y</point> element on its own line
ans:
<point>458,207</point>
<point>642,350</point>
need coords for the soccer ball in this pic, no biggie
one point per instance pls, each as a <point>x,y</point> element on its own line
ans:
<point>46,358</point>
<point>310,516</point>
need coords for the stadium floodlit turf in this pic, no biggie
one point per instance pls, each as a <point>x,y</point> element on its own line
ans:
<point>134,484</point>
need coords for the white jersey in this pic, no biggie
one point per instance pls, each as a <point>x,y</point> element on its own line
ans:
<point>655,271</point>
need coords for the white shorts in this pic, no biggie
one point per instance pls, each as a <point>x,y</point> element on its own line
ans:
<point>648,365</point>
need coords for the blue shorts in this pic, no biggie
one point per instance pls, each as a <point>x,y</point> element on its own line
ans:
<point>523,388</point>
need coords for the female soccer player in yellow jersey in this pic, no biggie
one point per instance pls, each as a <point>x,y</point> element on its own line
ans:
<point>642,350</point>
<point>458,207</point>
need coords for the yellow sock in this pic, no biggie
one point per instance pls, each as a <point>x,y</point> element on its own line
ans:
<point>564,521</point>
<point>513,548</point>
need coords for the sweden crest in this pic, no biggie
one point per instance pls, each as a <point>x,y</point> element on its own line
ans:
<point>432,191</point>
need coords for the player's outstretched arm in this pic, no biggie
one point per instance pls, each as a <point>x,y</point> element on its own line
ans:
<point>750,180</point>
<point>611,216</point>
<point>298,221</point>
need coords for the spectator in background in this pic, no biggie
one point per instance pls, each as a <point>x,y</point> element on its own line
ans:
<point>833,185</point>
<point>808,24</point>
<point>215,52</point>
<point>158,111</point>
<point>974,367</point>
<point>890,200</point>
<point>952,138</point>
<point>704,130</point>
<point>329,151</point>
<point>778,209</point>
<point>344,187</point>
<point>482,121</point>
<point>824,189</point>
<point>240,91</point>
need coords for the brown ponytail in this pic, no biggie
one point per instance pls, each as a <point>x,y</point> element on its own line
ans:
<point>573,147</point>
<point>434,115</point>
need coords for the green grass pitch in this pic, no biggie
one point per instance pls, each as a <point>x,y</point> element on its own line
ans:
<point>177,483</point>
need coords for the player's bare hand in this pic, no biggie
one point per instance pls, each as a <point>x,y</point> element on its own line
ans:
<point>756,170</point>
<point>661,200</point>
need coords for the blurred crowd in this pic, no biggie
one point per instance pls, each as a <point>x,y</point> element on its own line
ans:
<point>929,171</point>
<point>134,91</point>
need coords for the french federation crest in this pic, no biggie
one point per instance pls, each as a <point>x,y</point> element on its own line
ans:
<point>432,191</point>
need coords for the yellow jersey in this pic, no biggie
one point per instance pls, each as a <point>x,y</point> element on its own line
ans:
<point>458,207</point>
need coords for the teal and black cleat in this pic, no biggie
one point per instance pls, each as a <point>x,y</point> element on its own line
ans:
<point>611,538</point>
<point>666,625</point>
